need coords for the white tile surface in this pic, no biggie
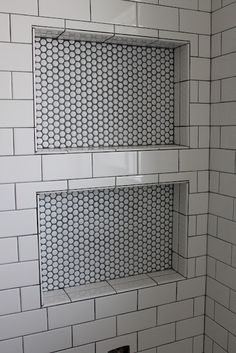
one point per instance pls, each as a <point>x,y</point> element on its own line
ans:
<point>16,113</point>
<point>194,159</point>
<point>156,336</point>
<point>110,11</point>
<point>7,197</point>
<point>228,89</point>
<point>8,250</point>
<point>19,274</point>
<point>218,291</point>
<point>190,288</point>
<point>107,345</point>
<point>18,223</point>
<point>188,4</point>
<point>195,22</point>
<point>15,57</point>
<point>139,320</point>
<point>6,142</point>
<point>56,167</point>
<point>114,164</point>
<point>12,346</point>
<point>190,327</point>
<point>131,283</point>
<point>88,291</point>
<point>72,9</point>
<point>216,332</point>
<point>22,323</point>
<point>94,331</point>
<point>17,79</point>
<point>64,315</point>
<point>25,6</point>
<point>114,305</point>
<point>91,183</point>
<point>30,298</point>
<point>24,141</point>
<point>184,346</point>
<point>224,19</point>
<point>175,312</point>
<point>28,248</point>
<point>158,295</point>
<point>219,249</point>
<point>160,17</point>
<point>47,342</point>
<point>9,301</point>
<point>5,83</point>
<point>158,161</point>
<point>163,279</point>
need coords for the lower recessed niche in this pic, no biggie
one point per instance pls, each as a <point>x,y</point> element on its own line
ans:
<point>94,235</point>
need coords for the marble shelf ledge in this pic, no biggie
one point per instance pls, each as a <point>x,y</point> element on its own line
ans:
<point>110,287</point>
<point>112,149</point>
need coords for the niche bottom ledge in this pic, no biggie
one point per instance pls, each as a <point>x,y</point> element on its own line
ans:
<point>110,287</point>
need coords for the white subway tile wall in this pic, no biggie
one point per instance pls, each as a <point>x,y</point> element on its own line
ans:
<point>166,318</point>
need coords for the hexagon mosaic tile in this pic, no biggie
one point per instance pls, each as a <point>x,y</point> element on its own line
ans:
<point>91,94</point>
<point>94,235</point>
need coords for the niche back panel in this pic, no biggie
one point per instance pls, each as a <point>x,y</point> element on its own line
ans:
<point>94,235</point>
<point>90,94</point>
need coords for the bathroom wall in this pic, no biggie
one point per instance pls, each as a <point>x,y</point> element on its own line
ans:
<point>221,281</point>
<point>169,316</point>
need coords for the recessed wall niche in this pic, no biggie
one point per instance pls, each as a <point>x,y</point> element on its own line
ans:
<point>94,235</point>
<point>92,92</point>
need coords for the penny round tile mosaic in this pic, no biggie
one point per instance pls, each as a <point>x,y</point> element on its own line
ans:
<point>93,235</point>
<point>91,94</point>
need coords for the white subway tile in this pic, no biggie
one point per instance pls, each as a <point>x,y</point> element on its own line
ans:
<point>87,348</point>
<point>227,230</point>
<point>17,79</point>
<point>216,4</point>
<point>158,161</point>
<point>195,22</point>
<point>199,306</point>
<point>188,4</point>
<point>205,5</point>
<point>28,248</point>
<point>203,181</point>
<point>156,336</point>
<point>90,26</point>
<point>4,27</point>
<point>228,41</point>
<point>187,37</point>
<point>232,343</point>
<point>12,346</point>
<point>223,113</point>
<point>18,223</point>
<point>228,87</point>
<point>55,297</point>
<point>228,139</point>
<point>215,92</point>
<point>221,205</point>
<point>194,159</point>
<point>199,114</point>
<point>191,288</point>
<point>26,192</point>
<point>91,183</point>
<point>200,69</point>
<point>204,46</point>
<point>224,18</point>
<point>175,312</point>
<point>67,166</point>
<point>216,332</point>
<point>21,26</point>
<point>233,301</point>
<point>110,344</point>
<point>139,320</point>
<point>24,141</point>
<point>222,160</point>
<point>23,323</point>
<point>204,92</point>
<point>217,291</point>
<point>216,45</point>
<point>5,84</point>
<point>114,164</point>
<point>13,6</point>
<point>154,296</point>
<point>219,249</point>
<point>7,197</point>
<point>71,9</point>
<point>8,250</point>
<point>116,304</point>
<point>190,327</point>
<point>160,17</point>
<point>30,298</point>
<point>19,274</point>
<point>198,203</point>
<point>16,113</point>
<point>94,331</point>
<point>47,342</point>
<point>225,318</point>
<point>110,11</point>
<point>67,314</point>
<point>184,346</point>
<point>9,301</point>
<point>137,179</point>
<point>15,57</point>
<point>226,275</point>
<point>6,142</point>
<point>224,66</point>
<point>197,246</point>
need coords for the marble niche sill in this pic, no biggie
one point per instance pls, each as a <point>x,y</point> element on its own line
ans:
<point>112,149</point>
<point>110,287</point>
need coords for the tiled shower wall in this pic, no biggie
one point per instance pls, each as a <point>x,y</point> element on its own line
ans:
<point>169,316</point>
<point>221,280</point>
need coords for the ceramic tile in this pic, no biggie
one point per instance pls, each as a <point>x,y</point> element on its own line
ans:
<point>88,291</point>
<point>168,278</point>
<point>55,297</point>
<point>131,283</point>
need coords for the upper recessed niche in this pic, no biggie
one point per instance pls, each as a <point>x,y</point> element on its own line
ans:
<point>107,94</point>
